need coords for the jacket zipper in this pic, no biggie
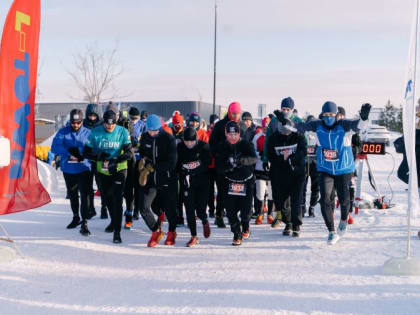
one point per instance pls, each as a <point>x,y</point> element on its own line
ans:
<point>329,137</point>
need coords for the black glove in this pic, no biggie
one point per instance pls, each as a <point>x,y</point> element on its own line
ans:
<point>266,167</point>
<point>74,151</point>
<point>103,156</point>
<point>364,111</point>
<point>112,166</point>
<point>280,116</point>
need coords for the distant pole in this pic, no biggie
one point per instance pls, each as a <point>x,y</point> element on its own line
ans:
<point>215,50</point>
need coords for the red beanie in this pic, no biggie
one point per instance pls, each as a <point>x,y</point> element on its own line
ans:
<point>177,119</point>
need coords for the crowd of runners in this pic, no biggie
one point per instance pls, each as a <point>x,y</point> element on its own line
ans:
<point>232,168</point>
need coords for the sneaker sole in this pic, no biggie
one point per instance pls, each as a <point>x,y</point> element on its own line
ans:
<point>333,242</point>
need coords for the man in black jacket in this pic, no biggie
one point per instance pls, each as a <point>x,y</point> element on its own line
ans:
<point>158,179</point>
<point>235,160</point>
<point>218,136</point>
<point>248,126</point>
<point>193,167</point>
<point>286,152</point>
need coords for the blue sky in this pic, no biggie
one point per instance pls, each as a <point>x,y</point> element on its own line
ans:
<point>349,52</point>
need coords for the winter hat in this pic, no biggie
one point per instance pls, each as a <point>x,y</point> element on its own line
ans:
<point>232,127</point>
<point>76,115</point>
<point>153,123</point>
<point>194,117</point>
<point>177,119</point>
<point>190,134</point>
<point>214,118</point>
<point>265,122</point>
<point>341,110</point>
<point>310,118</point>
<point>134,112</point>
<point>246,116</point>
<point>235,107</point>
<point>112,107</point>
<point>288,102</point>
<point>329,107</point>
<point>110,117</point>
<point>92,109</point>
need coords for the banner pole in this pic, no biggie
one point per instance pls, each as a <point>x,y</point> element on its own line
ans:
<point>412,159</point>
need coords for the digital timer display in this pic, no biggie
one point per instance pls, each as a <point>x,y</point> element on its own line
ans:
<point>373,148</point>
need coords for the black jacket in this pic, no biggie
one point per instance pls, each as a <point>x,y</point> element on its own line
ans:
<point>218,134</point>
<point>249,133</point>
<point>403,171</point>
<point>194,162</point>
<point>276,146</point>
<point>236,161</point>
<point>160,151</point>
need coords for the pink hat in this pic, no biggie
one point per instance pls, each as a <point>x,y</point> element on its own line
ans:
<point>235,107</point>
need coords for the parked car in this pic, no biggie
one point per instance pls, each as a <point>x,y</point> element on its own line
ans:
<point>376,133</point>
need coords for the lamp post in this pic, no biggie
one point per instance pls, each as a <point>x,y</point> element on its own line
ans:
<point>215,51</point>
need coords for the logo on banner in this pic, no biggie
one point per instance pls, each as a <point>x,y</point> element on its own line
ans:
<point>409,89</point>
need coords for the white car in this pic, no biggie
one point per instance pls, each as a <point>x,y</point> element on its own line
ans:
<point>376,133</point>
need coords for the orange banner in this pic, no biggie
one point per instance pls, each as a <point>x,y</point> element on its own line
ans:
<point>20,188</point>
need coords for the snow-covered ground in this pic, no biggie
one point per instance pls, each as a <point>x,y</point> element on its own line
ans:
<point>66,273</point>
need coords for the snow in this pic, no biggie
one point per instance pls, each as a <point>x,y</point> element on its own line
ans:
<point>66,273</point>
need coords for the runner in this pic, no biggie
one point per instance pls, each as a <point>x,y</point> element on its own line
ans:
<point>68,144</point>
<point>110,146</point>
<point>235,160</point>
<point>193,167</point>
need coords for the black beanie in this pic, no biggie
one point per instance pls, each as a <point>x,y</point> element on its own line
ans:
<point>110,117</point>
<point>213,118</point>
<point>190,134</point>
<point>76,115</point>
<point>341,110</point>
<point>232,127</point>
<point>134,111</point>
<point>246,116</point>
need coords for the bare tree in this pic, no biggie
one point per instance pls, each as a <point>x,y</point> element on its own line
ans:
<point>95,73</point>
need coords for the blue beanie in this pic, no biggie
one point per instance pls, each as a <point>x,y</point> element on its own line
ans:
<point>153,123</point>
<point>288,102</point>
<point>329,107</point>
<point>194,117</point>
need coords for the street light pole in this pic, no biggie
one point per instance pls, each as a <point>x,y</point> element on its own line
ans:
<point>215,50</point>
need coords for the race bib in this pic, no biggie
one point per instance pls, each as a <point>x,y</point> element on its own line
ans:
<point>330,155</point>
<point>105,165</point>
<point>237,189</point>
<point>72,160</point>
<point>311,150</point>
<point>191,165</point>
<point>285,150</point>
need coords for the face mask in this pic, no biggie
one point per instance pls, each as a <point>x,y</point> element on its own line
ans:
<point>288,114</point>
<point>328,120</point>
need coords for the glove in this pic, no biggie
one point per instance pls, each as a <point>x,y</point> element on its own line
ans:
<point>74,151</point>
<point>266,167</point>
<point>142,163</point>
<point>364,111</point>
<point>280,116</point>
<point>103,156</point>
<point>149,168</point>
<point>144,173</point>
<point>112,166</point>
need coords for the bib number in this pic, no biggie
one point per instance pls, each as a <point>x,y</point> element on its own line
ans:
<point>105,166</point>
<point>311,150</point>
<point>237,189</point>
<point>330,155</point>
<point>191,165</point>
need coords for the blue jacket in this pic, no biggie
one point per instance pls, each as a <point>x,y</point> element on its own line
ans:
<point>334,153</point>
<point>66,138</point>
